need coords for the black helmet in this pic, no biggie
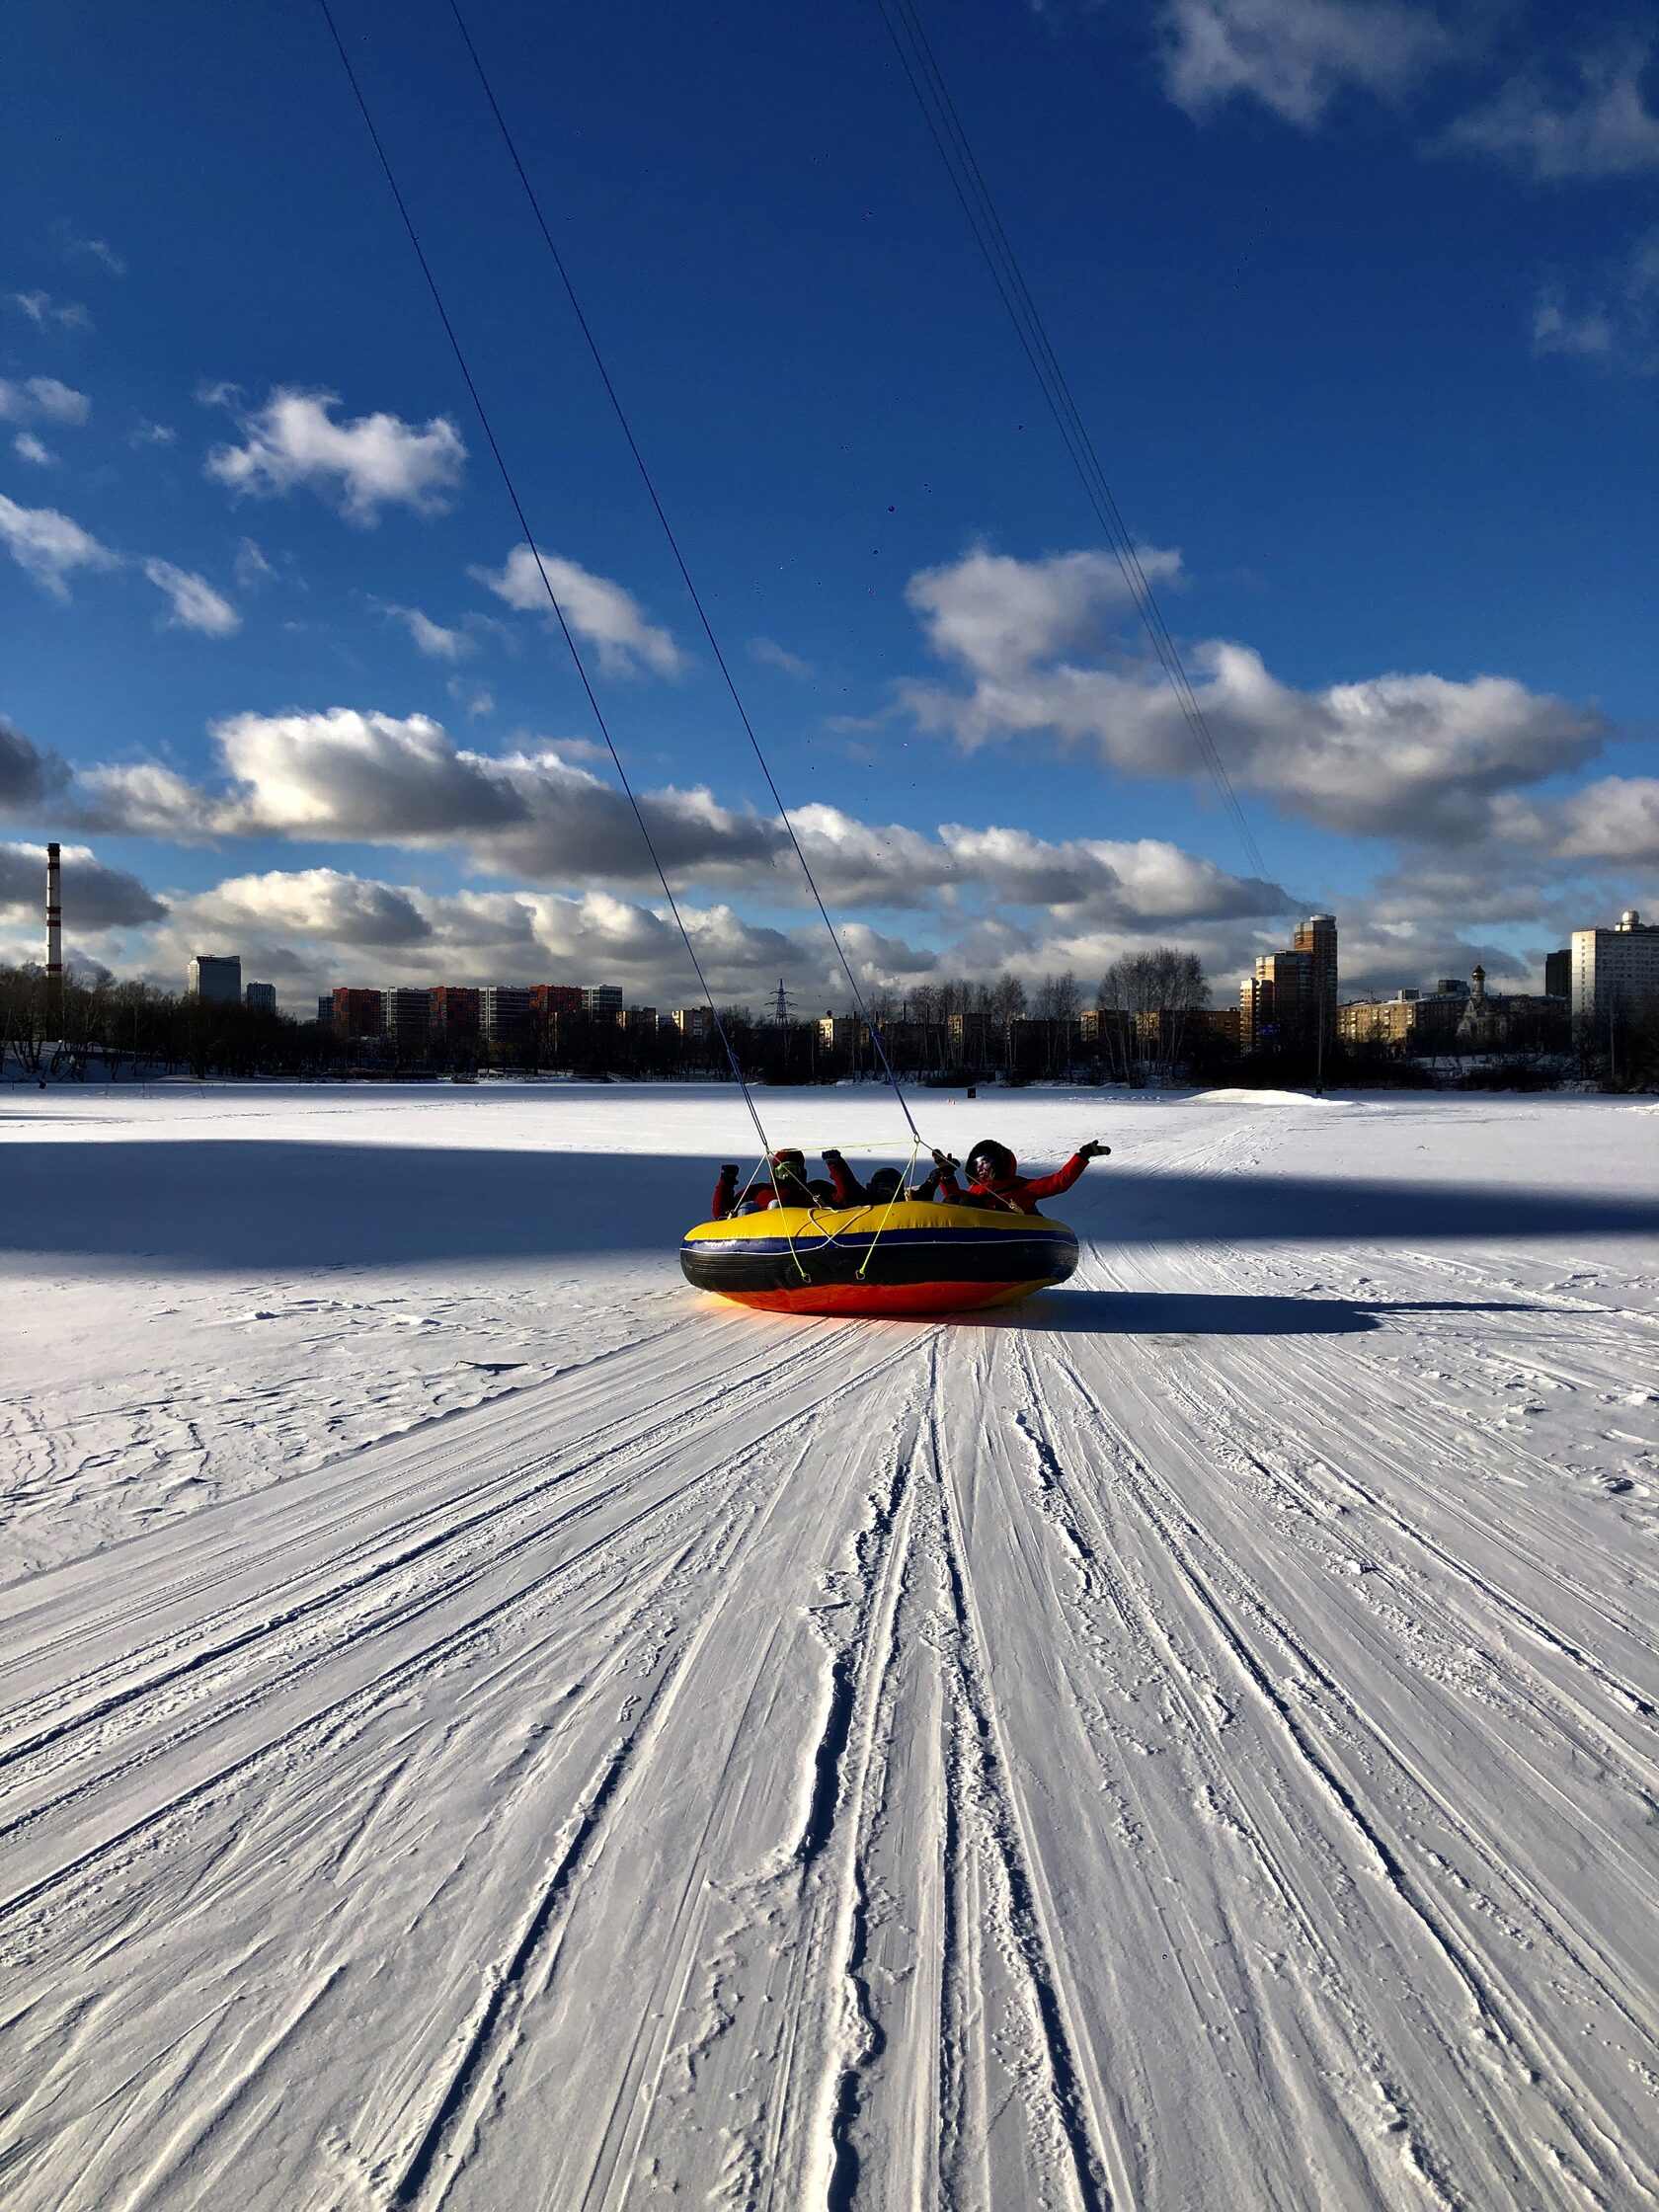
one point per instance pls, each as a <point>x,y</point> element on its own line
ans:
<point>992,1163</point>
<point>883,1183</point>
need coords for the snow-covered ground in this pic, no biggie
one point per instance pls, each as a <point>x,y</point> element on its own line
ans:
<point>482,1723</point>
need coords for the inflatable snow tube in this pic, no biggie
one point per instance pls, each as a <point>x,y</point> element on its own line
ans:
<point>916,1257</point>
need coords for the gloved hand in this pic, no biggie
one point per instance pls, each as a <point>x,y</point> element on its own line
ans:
<point>829,1152</point>
<point>730,1169</point>
<point>944,1160</point>
<point>1094,1150</point>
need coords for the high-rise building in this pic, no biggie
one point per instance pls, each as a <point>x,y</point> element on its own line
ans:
<point>324,1007</point>
<point>1557,973</point>
<point>261,999</point>
<point>356,1013</point>
<point>504,1012</point>
<point>1292,993</point>
<point>216,976</point>
<point>601,1001</point>
<point>556,1001</point>
<point>405,1019</point>
<point>454,1010</point>
<point>1316,938</point>
<point>694,1023</point>
<point>1615,970</point>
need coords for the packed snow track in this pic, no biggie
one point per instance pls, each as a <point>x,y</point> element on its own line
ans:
<point>483,1725</point>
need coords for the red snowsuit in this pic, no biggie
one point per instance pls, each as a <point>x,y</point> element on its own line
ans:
<point>1019,1193</point>
<point>849,1192</point>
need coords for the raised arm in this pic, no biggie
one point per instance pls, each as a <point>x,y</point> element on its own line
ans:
<point>849,1191</point>
<point>1062,1178</point>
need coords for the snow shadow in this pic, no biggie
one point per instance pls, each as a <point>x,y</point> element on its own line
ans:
<point>1172,1313</point>
<point>249,1204</point>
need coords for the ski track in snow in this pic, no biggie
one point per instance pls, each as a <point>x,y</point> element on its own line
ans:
<point>643,1754</point>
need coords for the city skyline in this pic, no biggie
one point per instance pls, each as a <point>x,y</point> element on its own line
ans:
<point>280,675</point>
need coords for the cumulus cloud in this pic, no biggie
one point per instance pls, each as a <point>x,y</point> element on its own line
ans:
<point>94,896</point>
<point>429,637</point>
<point>141,799</point>
<point>316,903</point>
<point>1614,818</point>
<point>28,447</point>
<point>600,612</point>
<point>317,925</point>
<point>1599,125</point>
<point>43,399</point>
<point>1404,754</point>
<point>1294,56</point>
<point>30,777</point>
<point>365,777</point>
<point>361,464</point>
<point>195,603</point>
<point>49,546</point>
<point>356,778</point>
<point>998,616</point>
<point>42,310</point>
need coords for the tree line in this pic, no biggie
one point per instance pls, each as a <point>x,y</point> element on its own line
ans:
<point>1148,1024</point>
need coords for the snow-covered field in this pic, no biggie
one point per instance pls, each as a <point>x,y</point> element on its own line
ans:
<point>483,1724</point>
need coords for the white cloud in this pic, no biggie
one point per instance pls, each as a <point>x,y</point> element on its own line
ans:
<point>311,903</point>
<point>364,464</point>
<point>94,896</point>
<point>477,698</point>
<point>31,776</point>
<point>996,614</point>
<point>49,546</point>
<point>1294,56</point>
<point>28,447</point>
<point>429,637</point>
<point>597,611</point>
<point>1413,756</point>
<point>152,433</point>
<point>251,568</point>
<point>322,925</point>
<point>771,655</point>
<point>356,778</point>
<point>196,603</point>
<point>141,799</point>
<point>41,309</point>
<point>100,252</point>
<point>1618,329</point>
<point>1600,127</point>
<point>1614,818</point>
<point>43,399</point>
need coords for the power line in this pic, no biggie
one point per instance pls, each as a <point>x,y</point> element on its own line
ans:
<point>926,80</point>
<point>680,558</point>
<point>535,555</point>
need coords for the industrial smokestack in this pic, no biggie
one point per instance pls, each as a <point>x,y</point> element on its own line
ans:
<point>55,920</point>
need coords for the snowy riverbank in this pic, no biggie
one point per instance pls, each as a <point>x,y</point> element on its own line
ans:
<point>475,1715</point>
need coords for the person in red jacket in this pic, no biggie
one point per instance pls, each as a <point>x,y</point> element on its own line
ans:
<point>994,1179</point>
<point>788,1187</point>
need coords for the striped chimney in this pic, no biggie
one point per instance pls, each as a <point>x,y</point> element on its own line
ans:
<point>55,918</point>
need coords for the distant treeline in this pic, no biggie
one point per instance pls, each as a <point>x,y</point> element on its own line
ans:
<point>1150,1023</point>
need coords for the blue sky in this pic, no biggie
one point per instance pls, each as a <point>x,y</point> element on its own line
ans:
<point>1361,303</point>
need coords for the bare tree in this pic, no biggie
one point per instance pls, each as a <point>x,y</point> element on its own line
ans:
<point>1149,996</point>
